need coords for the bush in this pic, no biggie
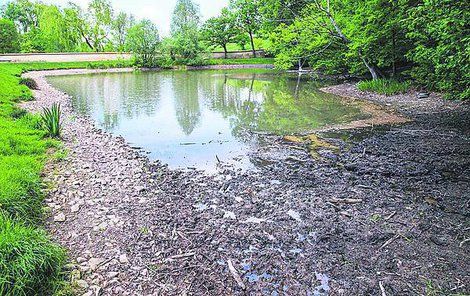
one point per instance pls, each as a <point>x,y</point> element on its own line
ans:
<point>29,263</point>
<point>9,39</point>
<point>384,86</point>
<point>29,82</point>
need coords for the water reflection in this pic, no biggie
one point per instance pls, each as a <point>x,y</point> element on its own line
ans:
<point>187,118</point>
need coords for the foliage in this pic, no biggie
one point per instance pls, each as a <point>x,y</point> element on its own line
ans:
<point>9,40</point>
<point>185,41</point>
<point>441,55</point>
<point>219,31</point>
<point>143,40</point>
<point>384,86</point>
<point>51,120</point>
<point>248,18</point>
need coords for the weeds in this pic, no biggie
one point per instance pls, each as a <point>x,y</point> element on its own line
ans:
<point>51,120</point>
<point>385,86</point>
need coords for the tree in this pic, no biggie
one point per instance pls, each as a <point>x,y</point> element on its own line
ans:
<point>121,25</point>
<point>220,30</point>
<point>99,19</point>
<point>23,13</point>
<point>9,40</point>
<point>248,18</point>
<point>439,32</point>
<point>185,31</point>
<point>143,40</point>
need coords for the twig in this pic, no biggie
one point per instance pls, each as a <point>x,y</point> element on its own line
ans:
<point>346,200</point>
<point>382,289</point>
<point>390,216</point>
<point>180,256</point>
<point>464,241</point>
<point>235,274</point>
<point>389,241</point>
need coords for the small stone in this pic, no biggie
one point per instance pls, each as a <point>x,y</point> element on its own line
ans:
<point>80,260</point>
<point>59,217</point>
<point>123,259</point>
<point>82,284</point>
<point>112,274</point>
<point>94,263</point>
<point>75,208</point>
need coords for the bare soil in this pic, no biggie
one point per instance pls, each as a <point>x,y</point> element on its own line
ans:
<point>386,212</point>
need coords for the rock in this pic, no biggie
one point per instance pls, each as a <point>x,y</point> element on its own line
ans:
<point>94,263</point>
<point>294,215</point>
<point>80,260</point>
<point>423,95</point>
<point>82,284</point>
<point>60,217</point>
<point>123,259</point>
<point>75,208</point>
<point>112,274</point>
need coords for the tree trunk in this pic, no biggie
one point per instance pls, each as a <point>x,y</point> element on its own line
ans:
<point>225,51</point>
<point>252,44</point>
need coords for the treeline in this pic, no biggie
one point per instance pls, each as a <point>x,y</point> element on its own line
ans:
<point>426,40</point>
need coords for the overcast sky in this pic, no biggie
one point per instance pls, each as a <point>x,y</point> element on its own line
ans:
<point>159,11</point>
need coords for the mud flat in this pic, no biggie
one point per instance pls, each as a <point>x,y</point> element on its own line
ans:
<point>381,209</point>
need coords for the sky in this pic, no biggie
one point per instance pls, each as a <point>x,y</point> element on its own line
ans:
<point>158,11</point>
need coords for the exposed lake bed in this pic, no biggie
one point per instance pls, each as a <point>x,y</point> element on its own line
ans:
<point>367,212</point>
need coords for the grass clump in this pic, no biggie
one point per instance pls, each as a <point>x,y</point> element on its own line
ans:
<point>29,263</point>
<point>385,86</point>
<point>51,120</point>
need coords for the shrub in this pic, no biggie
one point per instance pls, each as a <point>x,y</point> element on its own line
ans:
<point>29,82</point>
<point>29,263</point>
<point>384,86</point>
<point>51,120</point>
<point>9,39</point>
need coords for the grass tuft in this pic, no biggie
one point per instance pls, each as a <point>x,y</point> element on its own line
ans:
<point>51,120</point>
<point>384,86</point>
<point>29,82</point>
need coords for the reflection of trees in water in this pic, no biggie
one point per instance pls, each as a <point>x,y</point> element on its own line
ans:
<point>185,91</point>
<point>117,94</point>
<point>275,103</point>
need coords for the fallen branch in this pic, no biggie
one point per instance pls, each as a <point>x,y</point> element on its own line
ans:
<point>346,200</point>
<point>235,274</point>
<point>181,256</point>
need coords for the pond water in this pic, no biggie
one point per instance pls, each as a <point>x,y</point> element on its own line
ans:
<point>198,118</point>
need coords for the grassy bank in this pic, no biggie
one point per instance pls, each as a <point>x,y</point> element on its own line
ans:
<point>30,264</point>
<point>385,86</point>
<point>250,61</point>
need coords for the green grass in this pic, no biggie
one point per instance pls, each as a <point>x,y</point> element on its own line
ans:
<point>30,264</point>
<point>385,86</point>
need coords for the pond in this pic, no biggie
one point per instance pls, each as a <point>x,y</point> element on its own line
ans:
<point>194,119</point>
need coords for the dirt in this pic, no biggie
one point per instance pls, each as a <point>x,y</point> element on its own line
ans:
<point>382,210</point>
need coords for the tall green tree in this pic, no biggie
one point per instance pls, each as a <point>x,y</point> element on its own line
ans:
<point>143,40</point>
<point>9,39</point>
<point>220,31</point>
<point>248,16</point>
<point>121,25</point>
<point>185,32</point>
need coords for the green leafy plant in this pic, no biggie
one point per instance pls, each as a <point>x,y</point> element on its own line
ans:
<point>384,86</point>
<point>51,120</point>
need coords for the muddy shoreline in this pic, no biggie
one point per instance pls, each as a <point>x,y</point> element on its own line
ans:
<point>388,208</point>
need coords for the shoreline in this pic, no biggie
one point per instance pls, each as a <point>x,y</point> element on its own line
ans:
<point>125,214</point>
